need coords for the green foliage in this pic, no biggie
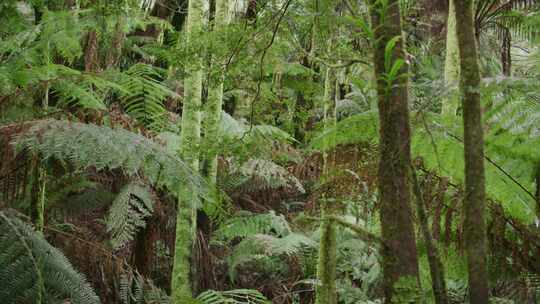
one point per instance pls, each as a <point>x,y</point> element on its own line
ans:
<point>143,95</point>
<point>262,236</point>
<point>85,145</point>
<point>128,212</point>
<point>33,270</point>
<point>135,289</point>
<point>258,175</point>
<point>358,128</point>
<point>237,296</point>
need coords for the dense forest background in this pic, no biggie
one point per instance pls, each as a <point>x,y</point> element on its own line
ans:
<point>270,151</point>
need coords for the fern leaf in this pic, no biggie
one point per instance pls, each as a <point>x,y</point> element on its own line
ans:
<point>32,269</point>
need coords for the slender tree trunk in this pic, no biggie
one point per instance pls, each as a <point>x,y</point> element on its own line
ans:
<point>451,65</point>
<point>115,53</point>
<point>537,180</point>
<point>506,56</point>
<point>215,101</point>
<point>475,230</point>
<point>400,262</point>
<point>325,292</point>
<point>188,199</point>
<point>435,265</point>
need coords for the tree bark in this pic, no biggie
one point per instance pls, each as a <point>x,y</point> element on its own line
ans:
<point>400,262</point>
<point>215,101</point>
<point>436,267</point>
<point>451,63</point>
<point>537,180</point>
<point>474,203</point>
<point>188,199</point>
<point>325,291</point>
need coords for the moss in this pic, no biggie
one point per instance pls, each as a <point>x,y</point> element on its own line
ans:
<point>451,65</point>
<point>188,199</point>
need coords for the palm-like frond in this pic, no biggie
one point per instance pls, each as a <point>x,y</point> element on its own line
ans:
<point>86,145</point>
<point>237,296</point>
<point>32,269</point>
<point>128,212</point>
<point>144,94</point>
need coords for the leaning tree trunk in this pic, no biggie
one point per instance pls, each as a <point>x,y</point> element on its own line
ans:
<point>475,230</point>
<point>188,199</point>
<point>325,291</point>
<point>400,262</point>
<point>451,64</point>
<point>436,267</point>
<point>215,100</point>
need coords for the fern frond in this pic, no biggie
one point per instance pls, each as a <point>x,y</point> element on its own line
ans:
<point>237,296</point>
<point>247,224</point>
<point>86,145</point>
<point>263,175</point>
<point>128,212</point>
<point>144,95</point>
<point>361,127</point>
<point>31,269</point>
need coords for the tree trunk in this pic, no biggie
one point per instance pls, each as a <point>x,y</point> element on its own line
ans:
<point>451,65</point>
<point>400,262</point>
<point>474,203</point>
<point>325,291</point>
<point>435,265</point>
<point>188,199</point>
<point>537,180</point>
<point>506,56</point>
<point>215,101</point>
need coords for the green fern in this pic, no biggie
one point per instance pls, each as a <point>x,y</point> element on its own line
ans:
<point>358,128</point>
<point>237,296</point>
<point>128,212</point>
<point>84,145</point>
<point>33,270</point>
<point>144,95</point>
<point>247,224</point>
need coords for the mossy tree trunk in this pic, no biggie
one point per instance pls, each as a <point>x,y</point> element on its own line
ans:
<point>436,267</point>
<point>215,100</point>
<point>400,262</point>
<point>188,199</point>
<point>451,64</point>
<point>537,194</point>
<point>475,230</point>
<point>325,291</point>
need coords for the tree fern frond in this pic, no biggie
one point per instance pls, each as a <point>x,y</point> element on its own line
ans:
<point>128,212</point>
<point>237,296</point>
<point>86,145</point>
<point>32,269</point>
<point>246,224</point>
<point>264,174</point>
<point>354,129</point>
<point>144,95</point>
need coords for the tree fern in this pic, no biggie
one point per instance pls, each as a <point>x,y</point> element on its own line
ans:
<point>357,128</point>
<point>85,145</point>
<point>32,270</point>
<point>128,212</point>
<point>247,224</point>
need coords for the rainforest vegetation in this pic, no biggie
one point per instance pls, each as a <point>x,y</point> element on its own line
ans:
<point>269,151</point>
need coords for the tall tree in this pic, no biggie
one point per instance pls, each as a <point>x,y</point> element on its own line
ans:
<point>451,64</point>
<point>215,99</point>
<point>475,230</point>
<point>188,199</point>
<point>400,262</point>
<point>326,292</point>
